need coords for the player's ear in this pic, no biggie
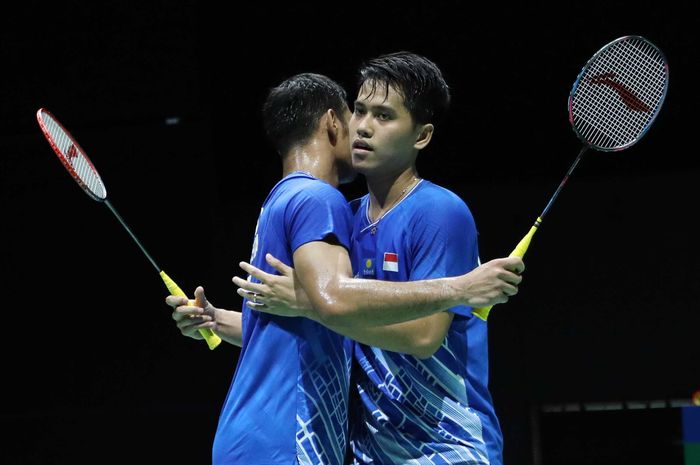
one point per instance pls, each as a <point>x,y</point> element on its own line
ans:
<point>424,134</point>
<point>333,126</point>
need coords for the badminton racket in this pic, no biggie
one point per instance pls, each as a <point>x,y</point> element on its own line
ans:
<point>614,101</point>
<point>81,169</point>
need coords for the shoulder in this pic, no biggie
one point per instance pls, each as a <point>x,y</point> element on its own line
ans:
<point>314,190</point>
<point>436,202</point>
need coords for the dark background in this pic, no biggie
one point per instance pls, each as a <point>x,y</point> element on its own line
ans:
<point>94,368</point>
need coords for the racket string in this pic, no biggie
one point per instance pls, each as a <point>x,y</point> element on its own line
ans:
<point>619,94</point>
<point>629,128</point>
<point>76,160</point>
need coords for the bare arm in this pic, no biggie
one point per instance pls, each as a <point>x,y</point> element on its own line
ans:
<point>348,302</point>
<point>420,337</point>
<point>405,317</point>
<point>321,266</point>
<point>191,316</point>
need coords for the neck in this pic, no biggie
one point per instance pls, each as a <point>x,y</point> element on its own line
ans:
<point>311,159</point>
<point>387,191</point>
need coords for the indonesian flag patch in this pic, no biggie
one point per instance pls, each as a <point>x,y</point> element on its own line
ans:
<point>391,262</point>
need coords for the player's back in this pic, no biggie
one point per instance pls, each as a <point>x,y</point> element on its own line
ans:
<point>288,400</point>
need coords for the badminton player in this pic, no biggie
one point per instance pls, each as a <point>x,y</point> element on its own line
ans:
<point>304,384</point>
<point>427,406</point>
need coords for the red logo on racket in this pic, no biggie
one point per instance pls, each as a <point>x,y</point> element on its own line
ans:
<point>72,152</point>
<point>632,102</point>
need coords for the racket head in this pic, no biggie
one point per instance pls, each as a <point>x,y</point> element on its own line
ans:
<point>618,94</point>
<point>71,155</point>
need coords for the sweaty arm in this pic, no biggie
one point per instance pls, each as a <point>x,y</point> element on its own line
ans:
<point>358,312</point>
<point>339,299</point>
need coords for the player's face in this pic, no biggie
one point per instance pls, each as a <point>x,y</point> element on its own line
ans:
<point>382,132</point>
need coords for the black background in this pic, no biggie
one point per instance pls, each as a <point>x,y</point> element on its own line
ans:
<point>95,370</point>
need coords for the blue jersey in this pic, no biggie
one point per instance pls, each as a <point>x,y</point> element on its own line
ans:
<point>288,400</point>
<point>438,410</point>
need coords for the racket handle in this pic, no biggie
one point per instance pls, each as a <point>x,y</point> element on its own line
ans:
<point>212,339</point>
<point>518,251</point>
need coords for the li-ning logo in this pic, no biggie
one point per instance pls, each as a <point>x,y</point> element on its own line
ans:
<point>72,152</point>
<point>632,102</point>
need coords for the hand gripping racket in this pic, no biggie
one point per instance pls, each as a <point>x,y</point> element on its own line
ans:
<point>83,171</point>
<point>613,102</point>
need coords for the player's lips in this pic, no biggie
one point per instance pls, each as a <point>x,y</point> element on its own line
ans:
<point>360,145</point>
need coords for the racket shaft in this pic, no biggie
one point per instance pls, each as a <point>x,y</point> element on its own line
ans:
<point>518,251</point>
<point>212,339</point>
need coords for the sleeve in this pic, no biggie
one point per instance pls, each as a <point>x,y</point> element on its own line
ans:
<point>444,243</point>
<point>317,212</point>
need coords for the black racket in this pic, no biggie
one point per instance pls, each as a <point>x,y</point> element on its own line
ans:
<point>614,101</point>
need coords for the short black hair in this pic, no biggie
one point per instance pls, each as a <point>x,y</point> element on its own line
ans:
<point>419,81</point>
<point>293,108</point>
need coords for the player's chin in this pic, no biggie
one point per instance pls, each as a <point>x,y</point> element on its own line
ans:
<point>360,155</point>
<point>362,162</point>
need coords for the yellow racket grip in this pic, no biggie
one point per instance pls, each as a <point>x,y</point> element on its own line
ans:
<point>212,339</point>
<point>518,251</point>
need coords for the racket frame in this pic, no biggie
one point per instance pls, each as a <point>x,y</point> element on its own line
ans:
<point>587,66</point>
<point>62,157</point>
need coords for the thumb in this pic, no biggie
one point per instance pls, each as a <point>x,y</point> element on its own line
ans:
<point>516,265</point>
<point>284,269</point>
<point>200,300</point>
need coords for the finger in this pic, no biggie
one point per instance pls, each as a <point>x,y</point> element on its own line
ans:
<point>188,325</point>
<point>196,321</point>
<point>249,286</point>
<point>257,273</point>
<point>185,313</point>
<point>279,265</point>
<point>513,278</point>
<point>252,296</point>
<point>255,306</point>
<point>510,290</point>
<point>175,300</point>
<point>208,325</point>
<point>188,311</point>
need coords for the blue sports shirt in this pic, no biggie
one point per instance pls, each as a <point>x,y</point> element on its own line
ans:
<point>288,400</point>
<point>437,410</point>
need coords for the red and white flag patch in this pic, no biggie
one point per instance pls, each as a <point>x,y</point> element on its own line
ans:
<point>391,262</point>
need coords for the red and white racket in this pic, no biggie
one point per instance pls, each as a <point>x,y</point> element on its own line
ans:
<point>612,104</point>
<point>81,169</point>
